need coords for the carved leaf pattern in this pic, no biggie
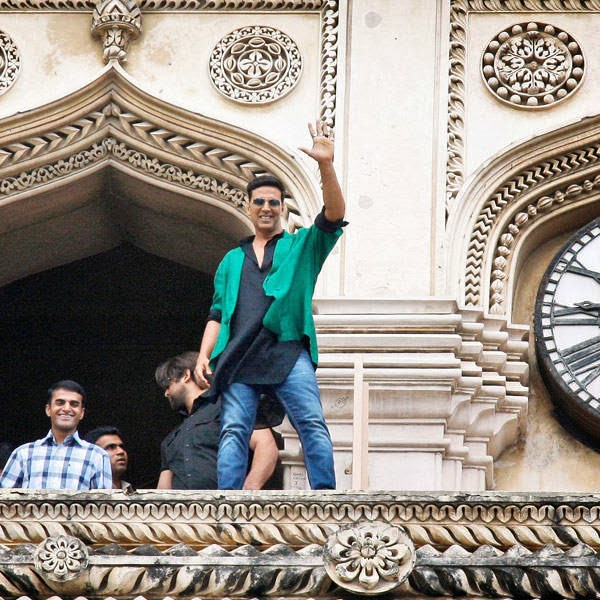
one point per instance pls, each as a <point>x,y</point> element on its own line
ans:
<point>10,62</point>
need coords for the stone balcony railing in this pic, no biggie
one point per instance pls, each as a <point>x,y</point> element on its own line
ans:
<point>150,545</point>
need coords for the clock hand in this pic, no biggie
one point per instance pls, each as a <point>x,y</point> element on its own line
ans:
<point>579,269</point>
<point>581,313</point>
<point>588,306</point>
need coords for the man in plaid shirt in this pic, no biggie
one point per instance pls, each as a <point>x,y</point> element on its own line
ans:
<point>61,460</point>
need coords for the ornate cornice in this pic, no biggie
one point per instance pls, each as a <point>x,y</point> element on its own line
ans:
<point>301,545</point>
<point>112,121</point>
<point>297,519</point>
<point>459,17</point>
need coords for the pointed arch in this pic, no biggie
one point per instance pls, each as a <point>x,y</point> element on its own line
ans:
<point>522,196</point>
<point>52,157</point>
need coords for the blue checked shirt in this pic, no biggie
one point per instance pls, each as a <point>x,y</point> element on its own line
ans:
<point>44,464</point>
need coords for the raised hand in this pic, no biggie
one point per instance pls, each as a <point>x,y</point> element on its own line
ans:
<point>322,138</point>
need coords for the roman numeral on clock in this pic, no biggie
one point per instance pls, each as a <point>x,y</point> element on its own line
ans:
<point>584,358</point>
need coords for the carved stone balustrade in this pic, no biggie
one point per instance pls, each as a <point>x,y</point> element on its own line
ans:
<point>320,544</point>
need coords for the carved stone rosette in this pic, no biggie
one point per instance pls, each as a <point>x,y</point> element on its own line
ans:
<point>61,558</point>
<point>369,558</point>
<point>10,62</point>
<point>116,22</point>
<point>532,65</point>
<point>255,65</point>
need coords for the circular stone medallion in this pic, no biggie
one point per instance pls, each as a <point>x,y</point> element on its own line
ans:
<point>61,558</point>
<point>369,558</point>
<point>255,65</point>
<point>532,65</point>
<point>10,62</point>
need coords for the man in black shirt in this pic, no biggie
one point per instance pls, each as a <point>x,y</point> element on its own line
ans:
<point>260,337</point>
<point>189,452</point>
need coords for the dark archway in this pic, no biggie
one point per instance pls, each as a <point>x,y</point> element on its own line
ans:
<point>105,321</point>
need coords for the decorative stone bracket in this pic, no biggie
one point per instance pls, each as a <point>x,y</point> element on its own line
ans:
<point>446,390</point>
<point>116,22</point>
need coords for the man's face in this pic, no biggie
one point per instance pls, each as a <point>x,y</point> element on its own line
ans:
<point>265,217</point>
<point>65,410</point>
<point>176,393</point>
<point>115,447</point>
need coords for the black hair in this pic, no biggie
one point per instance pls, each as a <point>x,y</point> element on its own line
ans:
<point>174,368</point>
<point>93,435</point>
<point>264,181</point>
<point>67,384</point>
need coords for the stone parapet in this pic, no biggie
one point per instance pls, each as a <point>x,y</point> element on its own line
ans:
<point>318,544</point>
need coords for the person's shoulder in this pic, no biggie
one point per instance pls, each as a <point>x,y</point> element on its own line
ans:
<point>26,447</point>
<point>93,448</point>
<point>233,253</point>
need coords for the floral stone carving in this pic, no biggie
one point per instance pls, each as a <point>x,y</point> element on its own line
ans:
<point>532,65</point>
<point>61,558</point>
<point>116,22</point>
<point>369,558</point>
<point>10,62</point>
<point>255,65</point>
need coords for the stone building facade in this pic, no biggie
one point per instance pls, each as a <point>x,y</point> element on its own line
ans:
<point>467,143</point>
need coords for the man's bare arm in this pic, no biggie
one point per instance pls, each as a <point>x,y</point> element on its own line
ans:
<point>322,151</point>
<point>165,480</point>
<point>262,443</point>
<point>209,339</point>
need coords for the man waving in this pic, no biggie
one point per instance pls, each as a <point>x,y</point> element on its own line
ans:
<point>260,336</point>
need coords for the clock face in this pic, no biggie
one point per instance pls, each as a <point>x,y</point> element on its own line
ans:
<point>567,328</point>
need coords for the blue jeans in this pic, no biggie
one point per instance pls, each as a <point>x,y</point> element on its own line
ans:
<point>299,395</point>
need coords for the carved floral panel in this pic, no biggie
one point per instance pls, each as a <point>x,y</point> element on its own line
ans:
<point>255,65</point>
<point>532,65</point>
<point>10,62</point>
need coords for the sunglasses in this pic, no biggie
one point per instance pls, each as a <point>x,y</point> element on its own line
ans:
<point>273,202</point>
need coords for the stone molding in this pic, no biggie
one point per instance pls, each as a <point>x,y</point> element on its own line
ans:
<point>112,122</point>
<point>328,10</point>
<point>512,195</point>
<point>485,545</point>
<point>297,519</point>
<point>470,373</point>
<point>459,17</point>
